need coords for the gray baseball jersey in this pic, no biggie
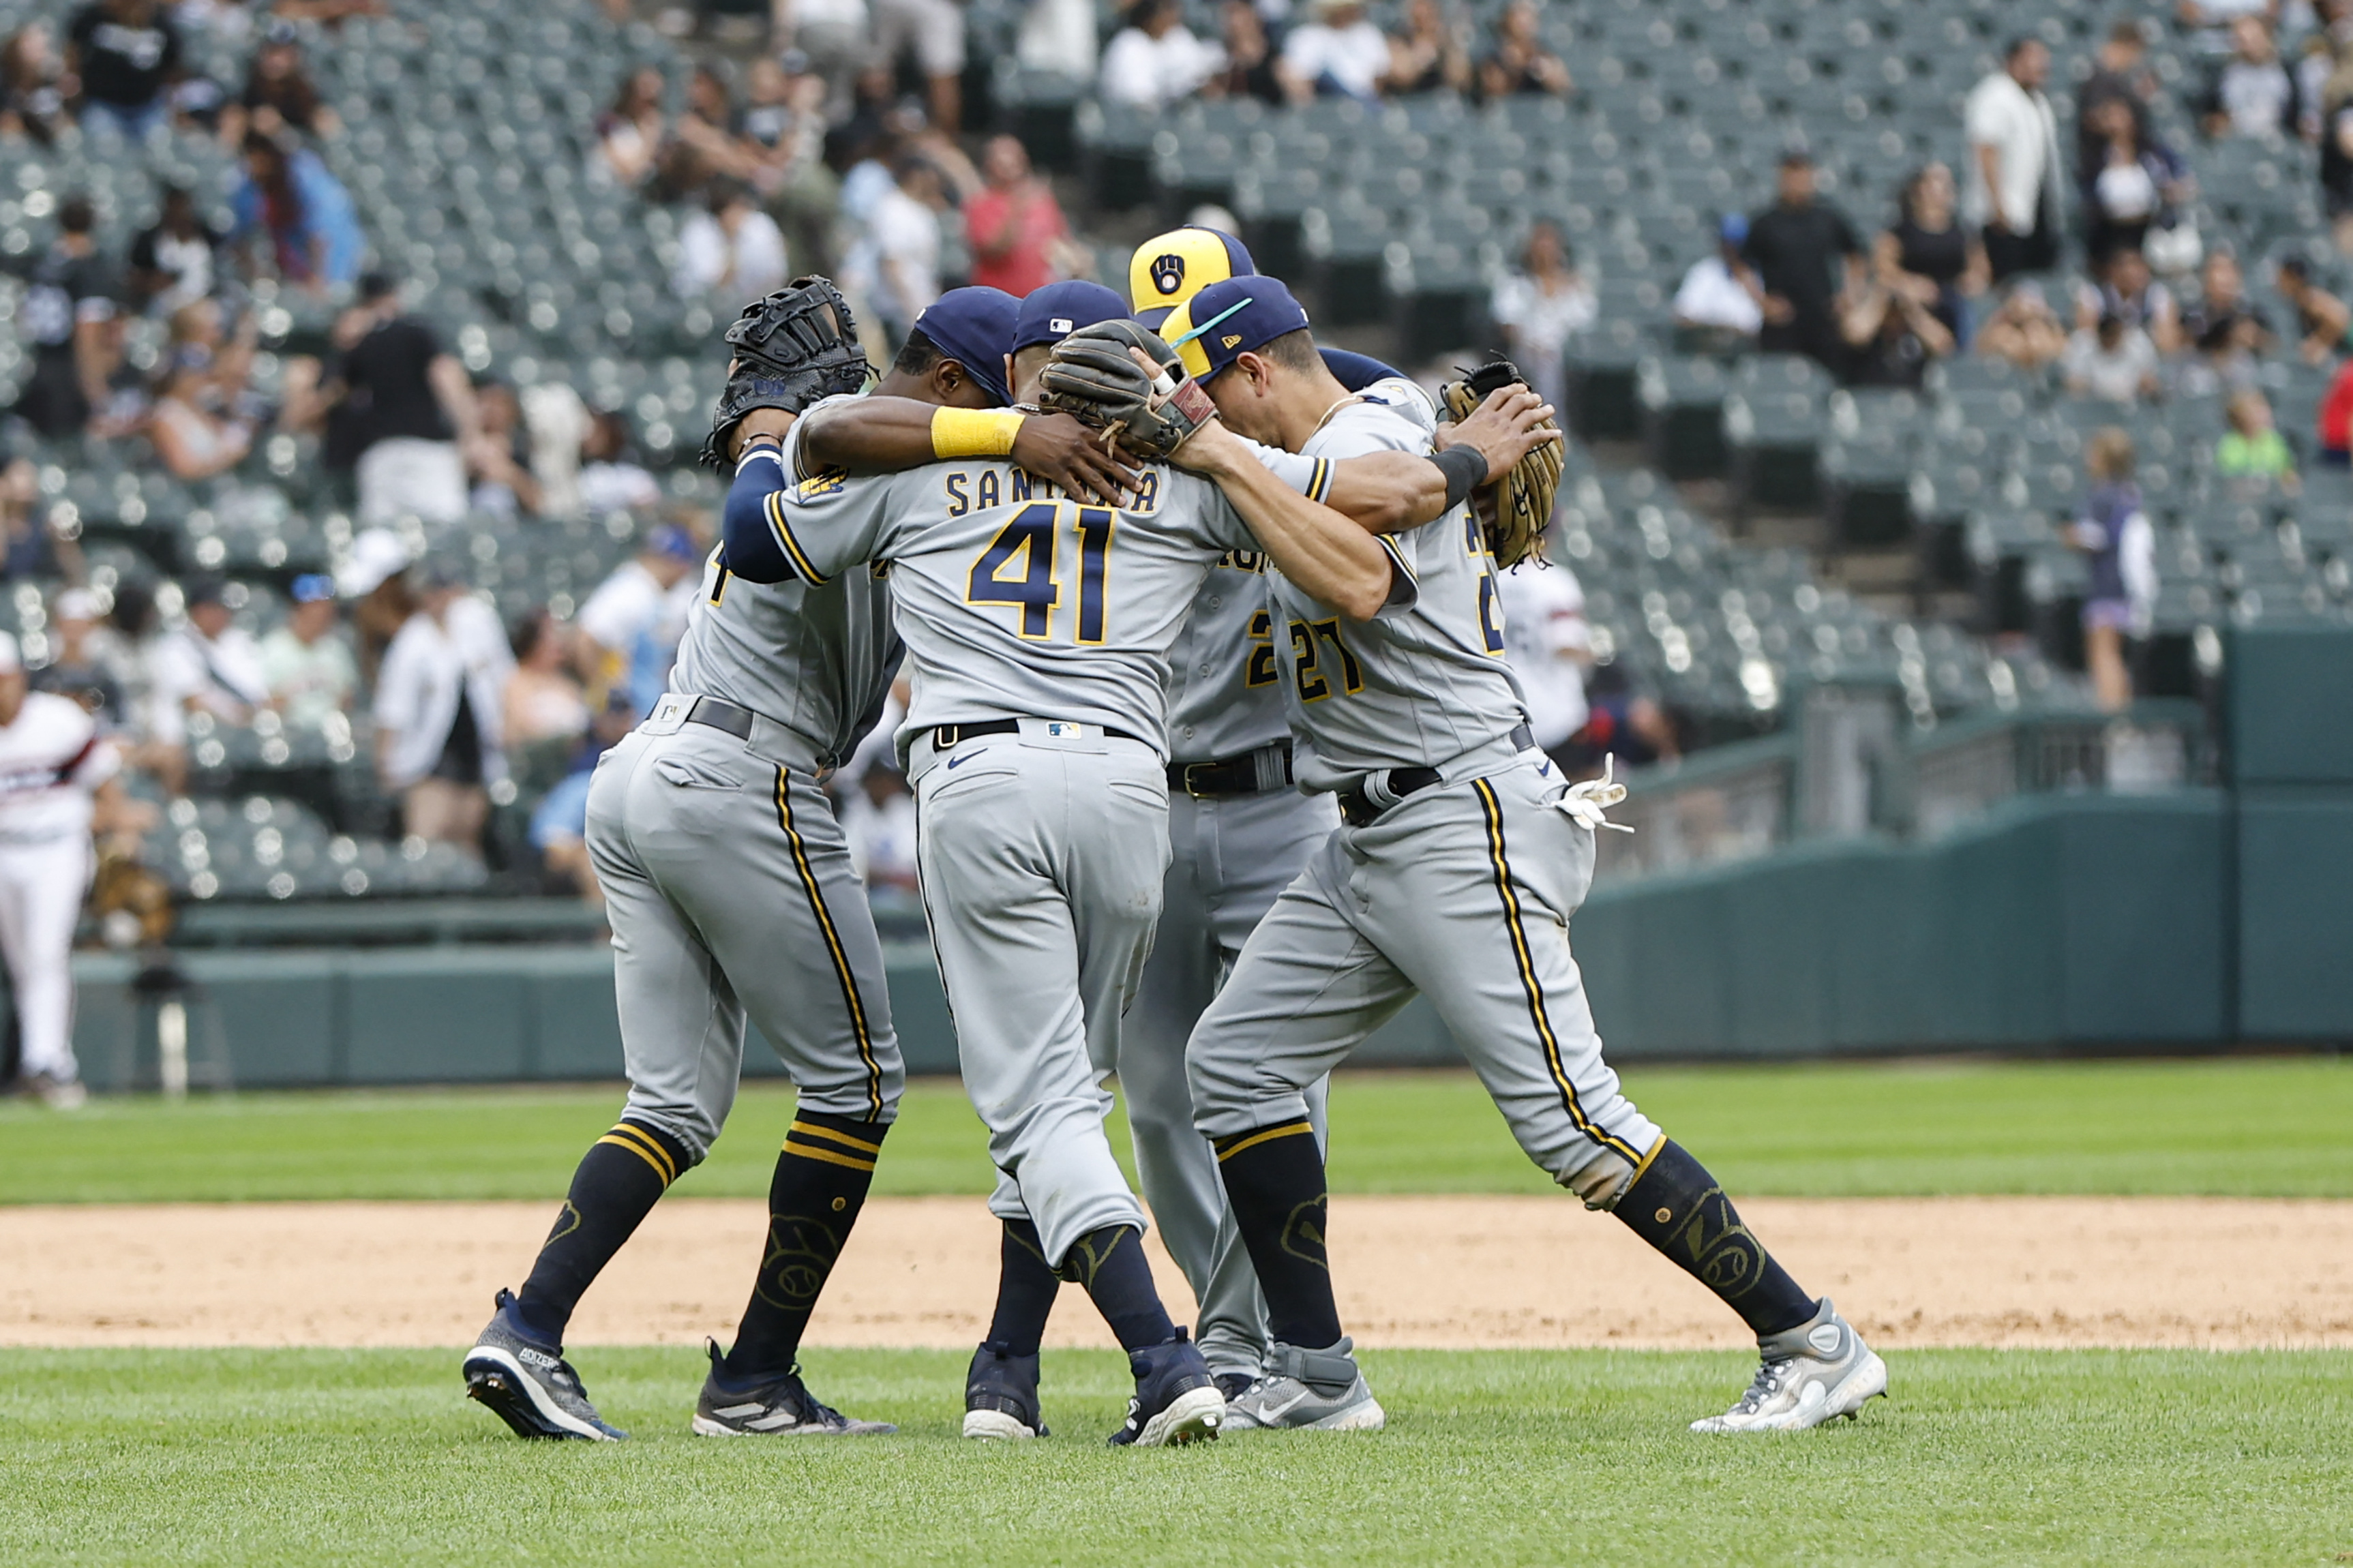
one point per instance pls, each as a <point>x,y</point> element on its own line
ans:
<point>1014,600</point>
<point>1421,684</point>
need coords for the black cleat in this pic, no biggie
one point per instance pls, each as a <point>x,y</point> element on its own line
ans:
<point>778,1406</point>
<point>1176,1401</point>
<point>528,1384</point>
<point>1000,1394</point>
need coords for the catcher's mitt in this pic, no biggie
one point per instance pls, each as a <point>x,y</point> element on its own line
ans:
<point>1521,501</point>
<point>790,349</point>
<point>1095,378</point>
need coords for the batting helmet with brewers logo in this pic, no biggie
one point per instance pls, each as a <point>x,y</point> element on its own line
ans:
<point>1169,268</point>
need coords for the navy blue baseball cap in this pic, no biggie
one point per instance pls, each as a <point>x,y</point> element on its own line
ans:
<point>972,326</point>
<point>1053,313</point>
<point>1240,315</point>
<point>1169,268</point>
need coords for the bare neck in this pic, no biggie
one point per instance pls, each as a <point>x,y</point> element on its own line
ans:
<point>1303,399</point>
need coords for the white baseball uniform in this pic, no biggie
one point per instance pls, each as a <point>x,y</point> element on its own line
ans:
<point>52,761</point>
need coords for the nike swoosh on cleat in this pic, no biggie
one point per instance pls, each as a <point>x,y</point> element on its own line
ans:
<point>1277,1412</point>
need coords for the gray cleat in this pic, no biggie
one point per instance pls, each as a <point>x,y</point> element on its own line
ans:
<point>1817,1372</point>
<point>1319,1391</point>
<point>779,1407</point>
<point>528,1384</point>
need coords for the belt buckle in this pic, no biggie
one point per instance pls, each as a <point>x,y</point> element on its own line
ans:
<point>1193,790</point>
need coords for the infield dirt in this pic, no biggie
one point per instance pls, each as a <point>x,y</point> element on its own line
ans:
<point>1436,1272</point>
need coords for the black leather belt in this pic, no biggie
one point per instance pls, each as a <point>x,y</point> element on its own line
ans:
<point>1226,776</point>
<point>721,714</point>
<point>1360,810</point>
<point>946,736</point>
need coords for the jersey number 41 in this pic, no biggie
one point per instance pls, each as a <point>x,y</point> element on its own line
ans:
<point>1019,568</point>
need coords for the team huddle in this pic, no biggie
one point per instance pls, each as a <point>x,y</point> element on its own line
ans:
<point>1218,762</point>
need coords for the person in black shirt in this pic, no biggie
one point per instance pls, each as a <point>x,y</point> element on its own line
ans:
<point>1929,258</point>
<point>68,303</point>
<point>403,406</point>
<point>174,261</point>
<point>279,93</point>
<point>1249,71</point>
<point>1806,256</point>
<point>127,53</point>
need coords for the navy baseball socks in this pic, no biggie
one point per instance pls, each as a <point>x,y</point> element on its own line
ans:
<point>1109,1264</point>
<point>1274,1180</point>
<point>619,1180</point>
<point>821,1181</point>
<point>1675,1206</point>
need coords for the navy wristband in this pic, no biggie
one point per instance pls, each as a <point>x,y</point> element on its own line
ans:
<point>1465,468</point>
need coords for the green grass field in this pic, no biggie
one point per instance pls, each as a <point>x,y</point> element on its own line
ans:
<point>314,1457</point>
<point>2271,1127</point>
<point>320,1457</point>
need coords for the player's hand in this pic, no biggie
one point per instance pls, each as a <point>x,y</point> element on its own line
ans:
<point>1058,448</point>
<point>1211,451</point>
<point>1506,427</point>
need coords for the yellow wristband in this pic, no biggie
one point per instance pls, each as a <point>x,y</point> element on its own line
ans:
<point>973,432</point>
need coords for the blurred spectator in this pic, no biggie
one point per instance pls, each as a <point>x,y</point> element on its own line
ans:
<point>2252,448</point>
<point>1549,646</point>
<point>1338,54</point>
<point>902,247</point>
<point>703,146</point>
<point>1718,307</point>
<point>2334,132</point>
<point>34,85</point>
<point>126,54</point>
<point>303,211</point>
<point>407,412</point>
<point>1538,307</point>
<point>1252,69</point>
<point>2120,74</point>
<point>1428,55</point>
<point>2127,290</point>
<point>1928,260</point>
<point>559,824</point>
<point>1890,337</point>
<point>2128,180</point>
<point>630,134</point>
<point>2113,531</point>
<point>2316,60</point>
<point>34,547</point>
<point>1154,60</point>
<point>437,702</point>
<point>729,248</point>
<point>832,35</point>
<point>630,625</point>
<point>209,665</point>
<point>1804,255</point>
<point>175,261</point>
<point>306,664</point>
<point>611,478</point>
<point>2323,321</point>
<point>1057,37</point>
<point>498,460</point>
<point>374,580</point>
<point>1020,241</point>
<point>2226,328</point>
<point>784,122</point>
<point>544,705</point>
<point>279,93</point>
<point>2253,94</point>
<point>2012,191</point>
<point>68,306</point>
<point>879,820</point>
<point>85,659</point>
<point>2114,361</point>
<point>195,440</point>
<point>1519,63</point>
<point>1621,723</point>
<point>2335,422</point>
<point>932,31</point>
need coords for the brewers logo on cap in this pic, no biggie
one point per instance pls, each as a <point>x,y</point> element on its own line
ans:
<point>1168,273</point>
<point>1169,268</point>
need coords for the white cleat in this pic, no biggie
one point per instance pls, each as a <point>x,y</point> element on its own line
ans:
<point>1307,1391</point>
<point>1817,1372</point>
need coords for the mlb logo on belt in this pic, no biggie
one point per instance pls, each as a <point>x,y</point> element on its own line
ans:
<point>1060,730</point>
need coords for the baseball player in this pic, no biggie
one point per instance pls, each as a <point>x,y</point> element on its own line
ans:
<point>1238,830</point>
<point>1039,629</point>
<point>731,894</point>
<point>1460,858</point>
<point>57,783</point>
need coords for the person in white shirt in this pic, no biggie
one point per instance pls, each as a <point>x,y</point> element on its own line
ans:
<point>1154,60</point>
<point>1548,646</point>
<point>2013,165</point>
<point>902,241</point>
<point>210,666</point>
<point>2114,362</point>
<point>1539,307</point>
<point>309,668</point>
<point>438,713</point>
<point>1720,305</point>
<point>731,248</point>
<point>630,626</point>
<point>1340,54</point>
<point>2254,93</point>
<point>56,784</point>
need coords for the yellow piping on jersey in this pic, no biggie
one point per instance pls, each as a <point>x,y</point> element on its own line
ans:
<point>791,546</point>
<point>833,947</point>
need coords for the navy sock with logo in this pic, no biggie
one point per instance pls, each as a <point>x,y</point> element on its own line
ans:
<point>1676,1206</point>
<point>1274,1180</point>
<point>619,1181</point>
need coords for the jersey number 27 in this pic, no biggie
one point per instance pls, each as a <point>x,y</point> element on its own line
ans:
<point>1019,568</point>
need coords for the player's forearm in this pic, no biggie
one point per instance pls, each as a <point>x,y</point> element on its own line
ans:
<point>1388,491</point>
<point>751,550</point>
<point>1329,557</point>
<point>875,435</point>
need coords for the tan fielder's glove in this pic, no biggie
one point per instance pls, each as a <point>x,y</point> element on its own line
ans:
<point>1522,499</point>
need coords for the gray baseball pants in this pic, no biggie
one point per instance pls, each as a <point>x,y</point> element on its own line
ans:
<point>731,894</point>
<point>1231,857</point>
<point>1463,892</point>
<point>1040,855</point>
